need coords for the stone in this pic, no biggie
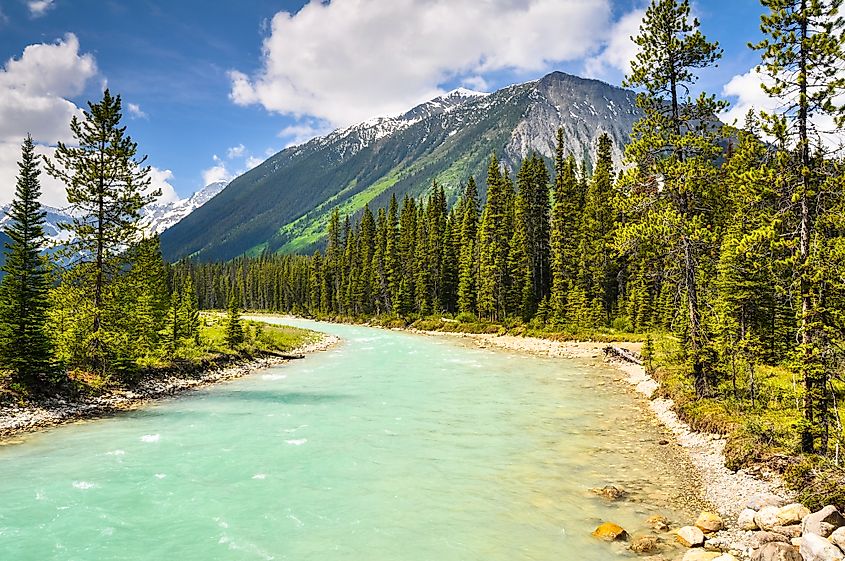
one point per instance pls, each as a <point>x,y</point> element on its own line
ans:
<point>757,502</point>
<point>700,555</point>
<point>657,522</point>
<point>745,520</point>
<point>726,557</point>
<point>823,522</point>
<point>609,531</point>
<point>817,548</point>
<point>793,531</point>
<point>776,551</point>
<point>690,536</point>
<point>709,522</point>
<point>767,517</point>
<point>609,492</point>
<point>837,538</point>
<point>644,544</point>
<point>764,537</point>
<point>792,514</point>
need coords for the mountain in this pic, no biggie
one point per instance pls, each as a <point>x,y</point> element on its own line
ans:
<point>156,218</point>
<point>284,203</point>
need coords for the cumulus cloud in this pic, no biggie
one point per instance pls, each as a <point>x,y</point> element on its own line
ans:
<point>236,151</point>
<point>135,111</point>
<point>38,8</point>
<point>348,60</point>
<point>216,173</point>
<point>34,92</point>
<point>300,133</point>
<point>160,179</point>
<point>746,94</point>
<point>619,49</point>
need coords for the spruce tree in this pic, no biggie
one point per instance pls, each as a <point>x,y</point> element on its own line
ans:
<point>468,257</point>
<point>563,236</point>
<point>25,348</point>
<point>234,330</point>
<point>106,188</point>
<point>494,235</point>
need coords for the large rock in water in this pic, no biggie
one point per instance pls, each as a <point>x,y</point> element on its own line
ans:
<point>644,544</point>
<point>610,532</point>
<point>823,522</point>
<point>709,522</point>
<point>690,536</point>
<point>816,548</point>
<point>792,514</point>
<point>776,551</point>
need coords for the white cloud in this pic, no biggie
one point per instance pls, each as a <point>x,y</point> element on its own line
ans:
<point>252,162</point>
<point>38,8</point>
<point>135,111</point>
<point>160,179</point>
<point>347,60</point>
<point>619,49</point>
<point>477,83</point>
<point>235,151</point>
<point>33,99</point>
<point>215,174</point>
<point>300,133</point>
<point>746,94</point>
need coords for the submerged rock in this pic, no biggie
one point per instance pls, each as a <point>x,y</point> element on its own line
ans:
<point>609,492</point>
<point>657,522</point>
<point>816,548</point>
<point>644,544</point>
<point>776,551</point>
<point>609,531</point>
<point>690,536</point>
<point>823,522</point>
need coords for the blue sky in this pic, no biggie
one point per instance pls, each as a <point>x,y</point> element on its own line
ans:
<point>216,87</point>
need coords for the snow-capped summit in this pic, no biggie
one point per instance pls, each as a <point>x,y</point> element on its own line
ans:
<point>158,217</point>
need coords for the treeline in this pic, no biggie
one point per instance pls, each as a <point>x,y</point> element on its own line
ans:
<point>732,239</point>
<point>106,303</point>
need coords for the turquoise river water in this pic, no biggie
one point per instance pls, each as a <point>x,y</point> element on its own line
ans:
<point>390,446</point>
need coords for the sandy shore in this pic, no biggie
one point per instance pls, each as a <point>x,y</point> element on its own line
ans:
<point>18,420</point>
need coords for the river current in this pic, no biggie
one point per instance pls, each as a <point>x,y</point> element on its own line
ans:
<point>389,446</point>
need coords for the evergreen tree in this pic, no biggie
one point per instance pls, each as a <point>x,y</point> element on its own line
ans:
<point>468,257</point>
<point>675,189</point>
<point>564,231</point>
<point>493,241</point>
<point>189,311</point>
<point>106,188</point>
<point>803,56</point>
<point>234,329</point>
<point>25,348</point>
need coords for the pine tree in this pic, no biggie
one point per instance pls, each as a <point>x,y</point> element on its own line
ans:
<point>803,56</point>
<point>564,231</point>
<point>189,311</point>
<point>674,189</point>
<point>494,235</point>
<point>25,348</point>
<point>234,329</point>
<point>391,255</point>
<point>106,188</point>
<point>468,258</point>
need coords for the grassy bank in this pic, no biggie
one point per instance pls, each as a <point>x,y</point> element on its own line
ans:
<point>193,358</point>
<point>760,432</point>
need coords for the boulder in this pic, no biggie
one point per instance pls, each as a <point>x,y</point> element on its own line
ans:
<point>757,502</point>
<point>609,531</point>
<point>823,522</point>
<point>709,522</point>
<point>767,517</point>
<point>745,520</point>
<point>792,514</point>
<point>700,555</point>
<point>690,536</point>
<point>644,544</point>
<point>609,492</point>
<point>726,557</point>
<point>657,522</point>
<point>776,551</point>
<point>837,538</point>
<point>817,548</point>
<point>764,537</point>
<point>793,531</point>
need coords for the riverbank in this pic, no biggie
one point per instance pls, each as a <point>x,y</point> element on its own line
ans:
<point>19,419</point>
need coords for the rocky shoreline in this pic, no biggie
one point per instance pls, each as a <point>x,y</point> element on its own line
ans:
<point>17,420</point>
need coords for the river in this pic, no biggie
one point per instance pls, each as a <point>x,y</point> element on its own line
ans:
<point>390,446</point>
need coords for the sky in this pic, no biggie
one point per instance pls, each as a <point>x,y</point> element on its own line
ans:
<point>211,89</point>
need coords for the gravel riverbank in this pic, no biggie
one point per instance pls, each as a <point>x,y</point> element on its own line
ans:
<point>18,419</point>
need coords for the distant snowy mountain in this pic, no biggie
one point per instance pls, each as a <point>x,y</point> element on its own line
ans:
<point>156,218</point>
